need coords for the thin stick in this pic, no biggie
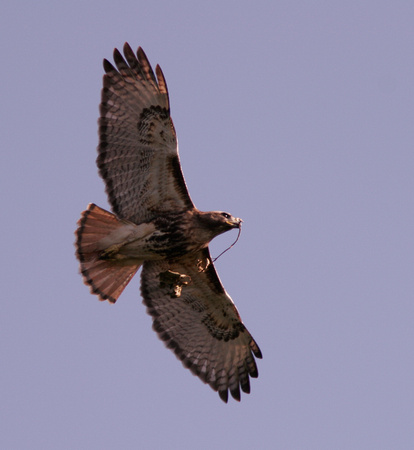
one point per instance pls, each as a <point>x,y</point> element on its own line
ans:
<point>224,251</point>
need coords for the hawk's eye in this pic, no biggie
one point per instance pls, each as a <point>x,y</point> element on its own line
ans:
<point>227,216</point>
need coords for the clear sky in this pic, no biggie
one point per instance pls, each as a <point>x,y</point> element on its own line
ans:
<point>297,116</point>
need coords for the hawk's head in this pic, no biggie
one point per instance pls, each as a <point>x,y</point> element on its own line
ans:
<point>217,222</point>
<point>225,220</point>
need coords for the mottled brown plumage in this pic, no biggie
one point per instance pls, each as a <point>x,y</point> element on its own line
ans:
<point>156,225</point>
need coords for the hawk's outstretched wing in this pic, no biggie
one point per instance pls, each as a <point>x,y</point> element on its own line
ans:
<point>138,153</point>
<point>197,319</point>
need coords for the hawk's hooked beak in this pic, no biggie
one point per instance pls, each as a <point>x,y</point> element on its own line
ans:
<point>235,223</point>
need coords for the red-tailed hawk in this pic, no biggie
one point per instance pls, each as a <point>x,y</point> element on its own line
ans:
<point>156,225</point>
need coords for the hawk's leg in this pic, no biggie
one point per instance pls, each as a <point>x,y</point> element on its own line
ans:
<point>174,281</point>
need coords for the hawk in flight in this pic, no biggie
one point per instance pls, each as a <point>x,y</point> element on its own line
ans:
<point>156,225</point>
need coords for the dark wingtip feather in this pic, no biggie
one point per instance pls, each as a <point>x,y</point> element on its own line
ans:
<point>108,67</point>
<point>127,49</point>
<point>255,349</point>
<point>117,55</point>
<point>254,373</point>
<point>142,56</point>
<point>245,385</point>
<point>146,66</point>
<point>120,61</point>
<point>224,395</point>
<point>133,62</point>
<point>235,393</point>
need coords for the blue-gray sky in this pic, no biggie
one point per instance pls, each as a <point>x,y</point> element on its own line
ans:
<point>296,116</point>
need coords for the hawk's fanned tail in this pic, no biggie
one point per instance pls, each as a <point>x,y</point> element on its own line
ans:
<point>106,277</point>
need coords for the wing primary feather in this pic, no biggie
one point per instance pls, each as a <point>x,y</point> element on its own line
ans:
<point>162,84</point>
<point>132,59</point>
<point>224,395</point>
<point>121,64</point>
<point>255,349</point>
<point>146,66</point>
<point>108,67</point>
<point>245,383</point>
<point>235,393</point>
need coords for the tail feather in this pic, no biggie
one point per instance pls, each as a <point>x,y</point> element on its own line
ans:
<point>106,277</point>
